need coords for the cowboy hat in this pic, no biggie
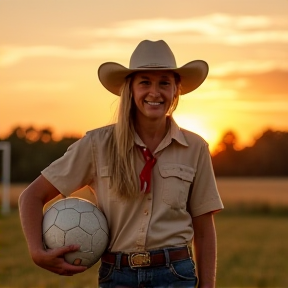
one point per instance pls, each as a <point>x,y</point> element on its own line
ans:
<point>149,56</point>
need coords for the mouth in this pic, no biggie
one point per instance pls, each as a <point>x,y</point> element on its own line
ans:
<point>153,103</point>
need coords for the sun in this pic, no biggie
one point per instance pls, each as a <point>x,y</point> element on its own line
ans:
<point>200,127</point>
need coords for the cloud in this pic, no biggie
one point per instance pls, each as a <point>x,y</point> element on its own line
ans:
<point>221,29</point>
<point>249,66</point>
<point>214,28</point>
<point>269,86</point>
<point>38,86</point>
<point>11,55</point>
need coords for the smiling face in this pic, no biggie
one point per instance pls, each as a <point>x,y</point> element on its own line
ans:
<point>153,93</point>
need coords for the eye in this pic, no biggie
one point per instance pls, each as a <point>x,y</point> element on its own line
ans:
<point>165,83</point>
<point>145,82</point>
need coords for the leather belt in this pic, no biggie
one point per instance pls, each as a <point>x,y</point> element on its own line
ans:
<point>147,259</point>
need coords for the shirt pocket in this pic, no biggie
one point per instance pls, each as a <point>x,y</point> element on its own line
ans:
<point>105,183</point>
<point>177,180</point>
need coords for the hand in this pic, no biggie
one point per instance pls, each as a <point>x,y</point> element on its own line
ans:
<point>53,260</point>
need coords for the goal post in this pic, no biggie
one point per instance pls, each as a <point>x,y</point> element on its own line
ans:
<point>6,163</point>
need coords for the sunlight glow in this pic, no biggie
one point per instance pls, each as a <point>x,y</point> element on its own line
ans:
<point>194,124</point>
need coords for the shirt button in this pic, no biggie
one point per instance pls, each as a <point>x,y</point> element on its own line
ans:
<point>146,212</point>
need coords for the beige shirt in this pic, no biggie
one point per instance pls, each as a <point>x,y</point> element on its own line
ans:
<point>183,186</point>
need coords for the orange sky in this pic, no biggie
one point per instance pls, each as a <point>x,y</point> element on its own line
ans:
<point>50,52</point>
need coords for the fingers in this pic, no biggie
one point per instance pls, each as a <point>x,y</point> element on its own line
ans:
<point>67,269</point>
<point>70,270</point>
<point>53,260</point>
<point>66,249</point>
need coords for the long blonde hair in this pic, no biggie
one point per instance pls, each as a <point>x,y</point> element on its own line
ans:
<point>124,181</point>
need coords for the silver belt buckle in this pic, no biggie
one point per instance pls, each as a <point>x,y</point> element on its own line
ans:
<point>141,259</point>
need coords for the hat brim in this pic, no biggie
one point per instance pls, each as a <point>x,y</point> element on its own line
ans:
<point>112,75</point>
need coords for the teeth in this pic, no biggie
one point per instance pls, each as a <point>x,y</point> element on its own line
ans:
<point>154,103</point>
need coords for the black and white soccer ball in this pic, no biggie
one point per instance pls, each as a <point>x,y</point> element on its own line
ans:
<point>76,221</point>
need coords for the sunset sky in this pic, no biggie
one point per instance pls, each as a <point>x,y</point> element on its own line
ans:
<point>50,52</point>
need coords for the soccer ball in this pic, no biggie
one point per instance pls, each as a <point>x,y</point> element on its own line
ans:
<point>76,221</point>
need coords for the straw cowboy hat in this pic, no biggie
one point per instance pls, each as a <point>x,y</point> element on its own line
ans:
<point>149,56</point>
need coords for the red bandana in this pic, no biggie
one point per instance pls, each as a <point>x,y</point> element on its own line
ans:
<point>145,175</point>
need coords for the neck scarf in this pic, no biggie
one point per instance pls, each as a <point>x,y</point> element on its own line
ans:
<point>145,175</point>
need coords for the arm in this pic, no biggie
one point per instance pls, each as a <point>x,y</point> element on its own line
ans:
<point>205,249</point>
<point>31,203</point>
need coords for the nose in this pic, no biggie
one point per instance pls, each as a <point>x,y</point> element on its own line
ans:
<point>154,91</point>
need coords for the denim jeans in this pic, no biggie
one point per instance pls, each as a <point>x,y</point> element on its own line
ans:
<point>175,274</point>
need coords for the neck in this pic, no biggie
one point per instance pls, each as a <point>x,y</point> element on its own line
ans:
<point>152,132</point>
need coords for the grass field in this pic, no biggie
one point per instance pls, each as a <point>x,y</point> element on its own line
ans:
<point>252,241</point>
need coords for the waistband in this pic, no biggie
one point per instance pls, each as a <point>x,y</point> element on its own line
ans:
<point>152,258</point>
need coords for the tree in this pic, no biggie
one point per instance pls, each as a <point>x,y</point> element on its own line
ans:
<point>32,150</point>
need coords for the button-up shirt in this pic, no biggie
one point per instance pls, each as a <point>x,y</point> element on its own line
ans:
<point>182,186</point>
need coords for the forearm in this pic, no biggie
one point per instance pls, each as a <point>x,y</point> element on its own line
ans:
<point>31,213</point>
<point>205,251</point>
<point>31,203</point>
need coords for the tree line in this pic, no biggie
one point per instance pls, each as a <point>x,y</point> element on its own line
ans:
<point>32,150</point>
<point>268,157</point>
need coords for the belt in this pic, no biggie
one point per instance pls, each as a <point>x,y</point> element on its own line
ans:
<point>147,259</point>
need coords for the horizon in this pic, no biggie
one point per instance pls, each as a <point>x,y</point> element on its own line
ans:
<point>58,137</point>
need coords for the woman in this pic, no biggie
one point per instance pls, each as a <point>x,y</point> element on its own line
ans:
<point>153,180</point>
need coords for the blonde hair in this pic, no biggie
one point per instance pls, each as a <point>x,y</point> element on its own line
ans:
<point>124,181</point>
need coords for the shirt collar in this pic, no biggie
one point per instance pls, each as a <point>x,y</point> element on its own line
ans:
<point>177,134</point>
<point>174,132</point>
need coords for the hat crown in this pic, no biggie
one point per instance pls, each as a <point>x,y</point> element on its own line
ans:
<point>152,54</point>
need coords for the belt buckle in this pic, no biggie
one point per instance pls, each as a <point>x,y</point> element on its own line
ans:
<point>141,259</point>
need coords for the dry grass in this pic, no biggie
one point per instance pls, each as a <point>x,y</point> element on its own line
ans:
<point>15,191</point>
<point>252,248</point>
<point>254,190</point>
<point>252,251</point>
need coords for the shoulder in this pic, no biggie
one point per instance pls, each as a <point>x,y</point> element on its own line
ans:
<point>102,132</point>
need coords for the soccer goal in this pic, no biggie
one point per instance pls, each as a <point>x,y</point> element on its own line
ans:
<point>5,177</point>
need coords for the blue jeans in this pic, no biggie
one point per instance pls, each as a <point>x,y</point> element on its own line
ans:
<point>175,274</point>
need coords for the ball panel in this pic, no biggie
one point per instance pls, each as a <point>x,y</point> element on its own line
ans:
<point>59,205</point>
<point>89,222</point>
<point>99,243</point>
<point>54,237</point>
<point>79,204</point>
<point>67,219</point>
<point>85,206</point>
<point>102,220</point>
<point>72,203</point>
<point>79,237</point>
<point>49,220</point>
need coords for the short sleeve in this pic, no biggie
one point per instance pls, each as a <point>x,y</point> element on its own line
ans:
<point>74,169</point>
<point>204,196</point>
